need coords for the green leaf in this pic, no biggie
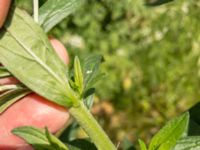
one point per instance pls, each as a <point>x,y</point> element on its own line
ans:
<point>54,11</point>
<point>55,142</point>
<point>39,139</point>
<point>91,70</point>
<point>33,136</point>
<point>10,97</point>
<point>157,2</point>
<point>4,72</point>
<point>78,75</point>
<point>188,143</point>
<point>26,52</point>
<point>167,137</point>
<point>142,145</point>
<point>8,87</point>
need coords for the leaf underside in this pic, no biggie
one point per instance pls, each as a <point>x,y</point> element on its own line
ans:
<point>54,11</point>
<point>26,52</point>
<point>188,143</point>
<point>39,139</point>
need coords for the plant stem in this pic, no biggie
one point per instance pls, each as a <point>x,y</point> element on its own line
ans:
<point>91,127</point>
<point>36,10</point>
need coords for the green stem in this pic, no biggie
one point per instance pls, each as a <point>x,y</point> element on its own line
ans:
<point>36,10</point>
<point>91,127</point>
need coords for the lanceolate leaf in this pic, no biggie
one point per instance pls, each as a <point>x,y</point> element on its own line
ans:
<point>91,70</point>
<point>167,137</point>
<point>4,72</point>
<point>78,75</point>
<point>26,52</point>
<point>8,87</point>
<point>142,145</point>
<point>188,143</point>
<point>32,136</point>
<point>54,11</point>
<point>10,97</point>
<point>39,139</point>
<point>55,142</point>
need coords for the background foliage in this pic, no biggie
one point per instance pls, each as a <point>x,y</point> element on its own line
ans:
<point>151,61</point>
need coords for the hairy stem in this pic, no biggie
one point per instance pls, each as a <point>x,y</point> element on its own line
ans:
<point>91,127</point>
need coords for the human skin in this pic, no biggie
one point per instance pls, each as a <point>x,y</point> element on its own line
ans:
<point>32,110</point>
<point>4,7</point>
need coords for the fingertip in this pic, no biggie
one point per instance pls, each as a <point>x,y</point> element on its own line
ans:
<point>4,7</point>
<point>32,110</point>
<point>60,49</point>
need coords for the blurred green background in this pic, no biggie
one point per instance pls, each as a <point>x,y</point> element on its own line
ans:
<point>152,61</point>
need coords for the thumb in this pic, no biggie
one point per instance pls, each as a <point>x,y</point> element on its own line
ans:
<point>60,49</point>
<point>32,110</point>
